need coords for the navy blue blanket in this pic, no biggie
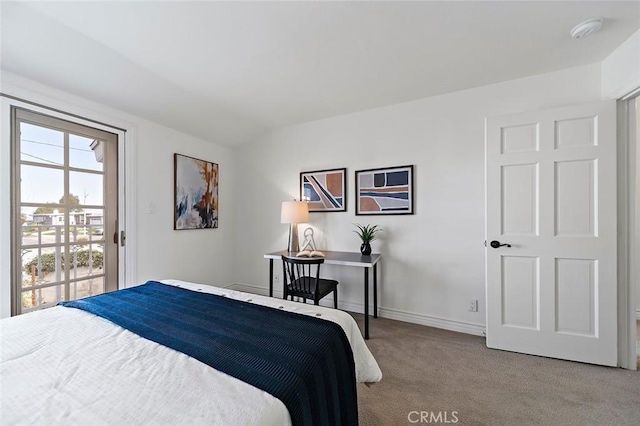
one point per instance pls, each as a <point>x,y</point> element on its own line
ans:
<point>305,362</point>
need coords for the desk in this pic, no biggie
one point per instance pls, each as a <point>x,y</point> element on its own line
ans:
<point>343,258</point>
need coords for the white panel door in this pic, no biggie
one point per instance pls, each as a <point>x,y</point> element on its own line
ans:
<point>551,233</point>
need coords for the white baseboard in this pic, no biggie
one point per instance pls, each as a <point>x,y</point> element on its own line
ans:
<point>394,314</point>
<point>253,289</point>
<point>433,321</point>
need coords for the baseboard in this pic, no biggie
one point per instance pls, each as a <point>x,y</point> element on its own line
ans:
<point>433,321</point>
<point>253,289</point>
<point>394,314</point>
<point>230,287</point>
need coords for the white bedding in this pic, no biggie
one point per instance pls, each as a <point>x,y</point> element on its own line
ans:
<point>64,365</point>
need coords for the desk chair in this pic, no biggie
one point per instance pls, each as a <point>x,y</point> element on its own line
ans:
<point>302,279</point>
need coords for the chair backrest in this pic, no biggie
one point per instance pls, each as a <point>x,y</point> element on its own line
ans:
<point>302,273</point>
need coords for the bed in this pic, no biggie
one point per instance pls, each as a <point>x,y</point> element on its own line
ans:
<point>66,365</point>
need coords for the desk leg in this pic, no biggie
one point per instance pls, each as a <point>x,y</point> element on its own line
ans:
<point>375,291</point>
<point>366,303</point>
<point>270,277</point>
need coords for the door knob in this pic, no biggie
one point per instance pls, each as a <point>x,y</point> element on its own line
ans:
<point>496,244</point>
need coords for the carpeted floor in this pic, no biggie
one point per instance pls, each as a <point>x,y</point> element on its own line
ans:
<point>442,375</point>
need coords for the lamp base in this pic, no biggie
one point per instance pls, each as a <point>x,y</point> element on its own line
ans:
<point>294,243</point>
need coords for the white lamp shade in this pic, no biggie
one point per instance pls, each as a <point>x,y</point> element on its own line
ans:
<point>294,212</point>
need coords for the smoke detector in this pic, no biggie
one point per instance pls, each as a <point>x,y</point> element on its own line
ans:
<point>586,28</point>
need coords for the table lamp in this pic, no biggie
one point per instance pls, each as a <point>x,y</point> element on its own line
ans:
<point>293,213</point>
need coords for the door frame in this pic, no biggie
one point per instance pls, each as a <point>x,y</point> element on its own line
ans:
<point>628,228</point>
<point>84,113</point>
<point>111,268</point>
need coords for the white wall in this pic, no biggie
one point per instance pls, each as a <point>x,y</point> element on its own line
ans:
<point>621,69</point>
<point>159,252</point>
<point>636,209</point>
<point>434,260</point>
<point>203,255</point>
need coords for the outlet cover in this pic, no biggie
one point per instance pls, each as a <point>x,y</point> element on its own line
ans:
<point>473,305</point>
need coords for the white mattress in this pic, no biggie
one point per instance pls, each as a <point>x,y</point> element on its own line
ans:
<point>64,365</point>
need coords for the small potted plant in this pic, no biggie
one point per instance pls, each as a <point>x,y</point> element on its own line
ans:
<point>367,233</point>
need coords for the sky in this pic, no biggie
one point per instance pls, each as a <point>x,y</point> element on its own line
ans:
<point>45,185</point>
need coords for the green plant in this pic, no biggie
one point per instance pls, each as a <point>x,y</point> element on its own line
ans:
<point>367,233</point>
<point>48,261</point>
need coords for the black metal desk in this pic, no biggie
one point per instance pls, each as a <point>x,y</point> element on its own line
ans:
<point>343,258</point>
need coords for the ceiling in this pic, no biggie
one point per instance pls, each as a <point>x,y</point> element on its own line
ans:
<point>227,71</point>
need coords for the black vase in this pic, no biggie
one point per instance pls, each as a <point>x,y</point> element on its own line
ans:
<point>365,249</point>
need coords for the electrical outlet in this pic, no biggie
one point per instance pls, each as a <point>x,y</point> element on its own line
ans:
<point>473,305</point>
<point>276,278</point>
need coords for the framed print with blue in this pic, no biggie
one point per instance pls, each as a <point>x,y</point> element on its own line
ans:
<point>384,191</point>
<point>196,193</point>
<point>324,190</point>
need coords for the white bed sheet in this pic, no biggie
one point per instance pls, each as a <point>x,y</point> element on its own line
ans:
<point>64,365</point>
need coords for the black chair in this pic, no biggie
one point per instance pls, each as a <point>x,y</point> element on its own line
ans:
<point>302,279</point>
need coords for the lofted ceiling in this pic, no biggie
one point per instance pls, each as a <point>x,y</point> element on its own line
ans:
<point>227,71</point>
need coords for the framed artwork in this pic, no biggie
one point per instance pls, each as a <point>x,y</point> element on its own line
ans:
<point>384,191</point>
<point>196,193</point>
<point>324,190</point>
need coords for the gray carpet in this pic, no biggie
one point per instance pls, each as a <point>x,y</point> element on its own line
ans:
<point>436,371</point>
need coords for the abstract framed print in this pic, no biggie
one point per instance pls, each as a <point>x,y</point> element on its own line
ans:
<point>324,190</point>
<point>196,193</point>
<point>384,191</point>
